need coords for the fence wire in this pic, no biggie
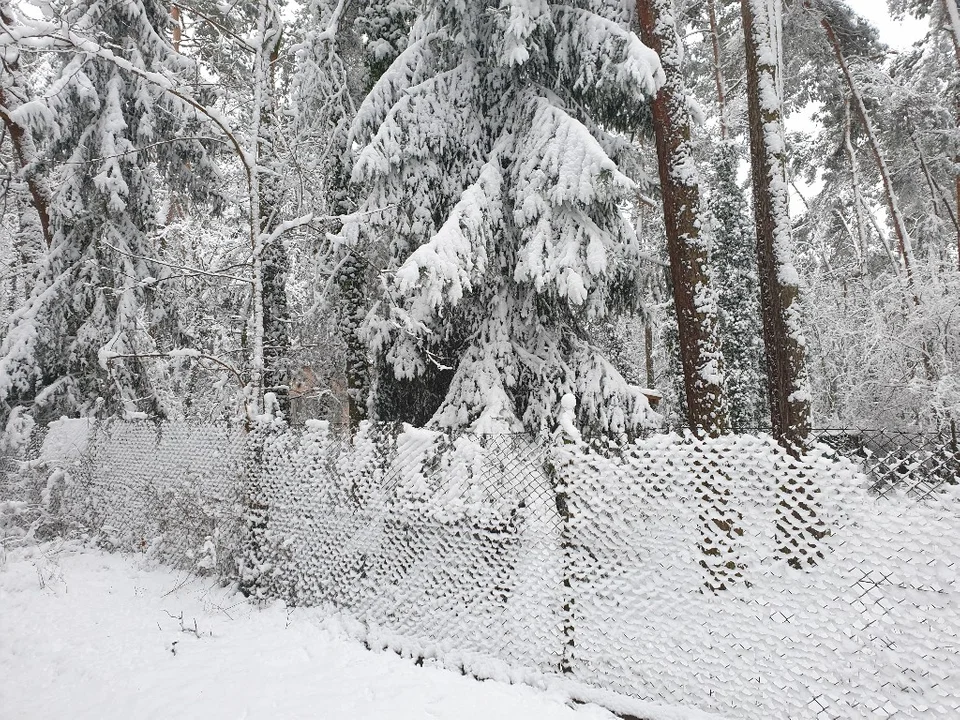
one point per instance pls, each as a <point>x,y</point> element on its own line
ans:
<point>719,573</point>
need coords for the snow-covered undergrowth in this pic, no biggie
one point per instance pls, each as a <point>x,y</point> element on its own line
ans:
<point>86,634</point>
<point>515,559</point>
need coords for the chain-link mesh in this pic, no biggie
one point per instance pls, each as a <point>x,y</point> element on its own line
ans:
<point>720,573</point>
<point>170,489</point>
<point>30,494</point>
<point>917,464</point>
<point>868,626</point>
<point>430,537</point>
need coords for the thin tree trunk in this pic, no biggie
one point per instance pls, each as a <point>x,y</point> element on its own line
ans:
<point>276,262</point>
<point>860,243</point>
<point>353,302</point>
<point>261,95</point>
<point>896,267</point>
<point>717,72</point>
<point>352,282</point>
<point>936,192</point>
<point>953,13</point>
<point>177,26</point>
<point>648,352</point>
<point>270,262</point>
<point>11,87</point>
<point>687,246</point>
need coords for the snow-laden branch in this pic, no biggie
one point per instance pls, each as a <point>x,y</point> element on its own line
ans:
<point>105,357</point>
<point>45,35</point>
<point>174,266</point>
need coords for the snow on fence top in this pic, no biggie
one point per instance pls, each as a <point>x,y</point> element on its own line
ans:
<point>722,574</point>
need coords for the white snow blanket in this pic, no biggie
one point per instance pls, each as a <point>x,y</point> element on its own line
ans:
<point>87,635</point>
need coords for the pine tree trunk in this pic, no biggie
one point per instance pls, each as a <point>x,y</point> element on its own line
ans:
<point>354,299</point>
<point>353,302</point>
<point>648,352</point>
<point>688,248</point>
<point>788,384</point>
<point>860,239</point>
<point>177,26</point>
<point>694,298</point>
<point>717,71</point>
<point>799,529</point>
<point>953,14</point>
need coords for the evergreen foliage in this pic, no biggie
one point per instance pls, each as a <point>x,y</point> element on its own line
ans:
<point>109,136</point>
<point>735,277</point>
<point>489,151</point>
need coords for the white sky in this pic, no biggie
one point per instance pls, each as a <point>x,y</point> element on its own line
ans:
<point>898,34</point>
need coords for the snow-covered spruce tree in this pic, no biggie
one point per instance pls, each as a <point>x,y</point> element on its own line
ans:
<point>96,303</point>
<point>386,26</point>
<point>494,182</point>
<point>734,263</point>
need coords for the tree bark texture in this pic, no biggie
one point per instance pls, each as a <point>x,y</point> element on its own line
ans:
<point>787,380</point>
<point>176,26</point>
<point>694,298</point>
<point>717,71</point>
<point>798,525</point>
<point>275,264</point>
<point>687,245</point>
<point>953,16</point>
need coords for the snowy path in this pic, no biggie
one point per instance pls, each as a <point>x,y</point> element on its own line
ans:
<point>90,635</point>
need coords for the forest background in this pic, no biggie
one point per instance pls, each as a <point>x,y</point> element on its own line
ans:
<point>463,213</point>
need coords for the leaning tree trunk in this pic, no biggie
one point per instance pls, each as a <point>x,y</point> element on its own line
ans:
<point>904,243</point>
<point>687,245</point>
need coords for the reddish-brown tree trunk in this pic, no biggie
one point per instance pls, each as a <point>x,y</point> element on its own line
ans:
<point>788,385</point>
<point>175,22</point>
<point>953,17</point>
<point>687,247</point>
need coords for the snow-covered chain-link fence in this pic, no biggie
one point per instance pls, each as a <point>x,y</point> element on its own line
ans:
<point>719,573</point>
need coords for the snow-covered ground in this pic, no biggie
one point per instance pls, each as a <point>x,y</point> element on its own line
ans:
<point>85,634</point>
